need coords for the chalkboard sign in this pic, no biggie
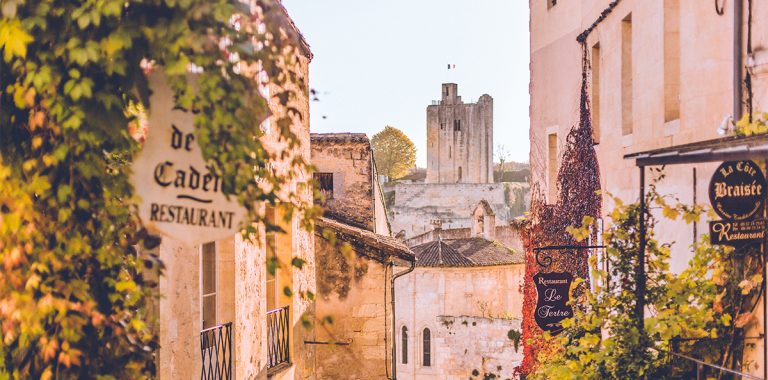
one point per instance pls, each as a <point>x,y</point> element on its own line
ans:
<point>552,303</point>
<point>737,190</point>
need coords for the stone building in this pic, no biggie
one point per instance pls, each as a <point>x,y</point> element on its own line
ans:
<point>663,74</point>
<point>460,136</point>
<point>459,171</point>
<point>356,261</point>
<point>220,308</point>
<point>415,205</point>
<point>460,310</point>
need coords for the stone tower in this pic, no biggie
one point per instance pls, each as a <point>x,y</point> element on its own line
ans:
<point>459,139</point>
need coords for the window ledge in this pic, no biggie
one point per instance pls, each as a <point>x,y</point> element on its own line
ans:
<point>672,127</point>
<point>626,141</point>
<point>278,368</point>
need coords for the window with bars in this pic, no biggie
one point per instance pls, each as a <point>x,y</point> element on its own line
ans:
<point>324,184</point>
<point>457,125</point>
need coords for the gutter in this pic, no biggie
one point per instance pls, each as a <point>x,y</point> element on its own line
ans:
<point>395,276</point>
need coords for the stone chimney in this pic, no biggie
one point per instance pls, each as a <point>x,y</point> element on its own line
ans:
<point>437,228</point>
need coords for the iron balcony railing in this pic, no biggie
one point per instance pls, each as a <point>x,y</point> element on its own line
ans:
<point>278,338</point>
<point>216,350</point>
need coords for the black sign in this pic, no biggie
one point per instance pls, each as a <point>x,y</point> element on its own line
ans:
<point>736,233</point>
<point>551,305</point>
<point>737,190</point>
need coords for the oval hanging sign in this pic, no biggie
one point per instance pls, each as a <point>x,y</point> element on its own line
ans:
<point>737,190</point>
<point>182,198</point>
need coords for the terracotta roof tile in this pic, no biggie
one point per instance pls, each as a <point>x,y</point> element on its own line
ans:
<point>366,241</point>
<point>469,252</point>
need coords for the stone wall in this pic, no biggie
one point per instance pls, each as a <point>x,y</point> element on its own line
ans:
<point>348,157</point>
<point>460,139</point>
<point>489,299</point>
<point>705,96</point>
<point>354,292</point>
<point>476,343</point>
<point>415,205</point>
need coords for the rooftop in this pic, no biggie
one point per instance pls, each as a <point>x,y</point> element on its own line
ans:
<point>364,241</point>
<point>468,252</point>
<point>338,137</point>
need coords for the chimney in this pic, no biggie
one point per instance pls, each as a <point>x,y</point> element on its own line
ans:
<point>437,227</point>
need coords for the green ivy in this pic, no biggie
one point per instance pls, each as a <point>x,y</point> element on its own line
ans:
<point>75,293</point>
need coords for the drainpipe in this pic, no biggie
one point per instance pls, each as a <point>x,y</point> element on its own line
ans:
<point>394,316</point>
<point>738,21</point>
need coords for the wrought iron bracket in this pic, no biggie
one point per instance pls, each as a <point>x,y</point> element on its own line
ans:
<point>546,260</point>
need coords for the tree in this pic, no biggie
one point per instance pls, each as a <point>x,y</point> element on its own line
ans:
<point>502,155</point>
<point>74,299</point>
<point>394,152</point>
<point>700,312</point>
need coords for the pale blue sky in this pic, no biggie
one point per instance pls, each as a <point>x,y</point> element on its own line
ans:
<point>381,63</point>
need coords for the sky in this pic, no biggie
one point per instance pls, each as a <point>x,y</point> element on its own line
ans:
<point>379,63</point>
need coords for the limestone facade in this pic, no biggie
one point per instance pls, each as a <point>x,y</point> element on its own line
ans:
<point>469,312</point>
<point>460,139</point>
<point>355,260</point>
<point>414,205</point>
<point>226,281</point>
<point>661,75</point>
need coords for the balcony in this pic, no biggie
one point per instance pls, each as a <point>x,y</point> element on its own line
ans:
<point>278,340</point>
<point>216,350</point>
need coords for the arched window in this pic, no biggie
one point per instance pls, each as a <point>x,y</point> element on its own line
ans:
<point>404,336</point>
<point>427,348</point>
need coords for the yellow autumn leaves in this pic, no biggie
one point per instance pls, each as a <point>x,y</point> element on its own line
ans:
<point>13,39</point>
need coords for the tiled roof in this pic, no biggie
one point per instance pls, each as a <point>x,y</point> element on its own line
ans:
<point>337,137</point>
<point>470,252</point>
<point>364,241</point>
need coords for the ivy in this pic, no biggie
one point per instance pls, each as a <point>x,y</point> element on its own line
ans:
<point>75,292</point>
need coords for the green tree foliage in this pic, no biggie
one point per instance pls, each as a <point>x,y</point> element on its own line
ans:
<point>74,291</point>
<point>694,313</point>
<point>394,152</point>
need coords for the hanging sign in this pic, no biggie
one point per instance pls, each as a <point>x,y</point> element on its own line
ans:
<point>180,196</point>
<point>736,233</point>
<point>737,190</point>
<point>552,307</point>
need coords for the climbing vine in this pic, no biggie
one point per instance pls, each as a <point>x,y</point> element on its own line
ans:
<point>702,312</point>
<point>74,290</point>
<point>578,183</point>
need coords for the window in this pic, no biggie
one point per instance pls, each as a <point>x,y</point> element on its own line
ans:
<point>427,348</point>
<point>459,180</point>
<point>552,167</point>
<point>551,3</point>
<point>457,125</point>
<point>209,285</point>
<point>595,104</point>
<point>404,337</point>
<point>324,184</point>
<point>626,75</point>
<point>671,60</point>
<point>272,262</point>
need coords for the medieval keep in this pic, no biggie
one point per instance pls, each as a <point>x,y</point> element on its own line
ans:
<point>460,139</point>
